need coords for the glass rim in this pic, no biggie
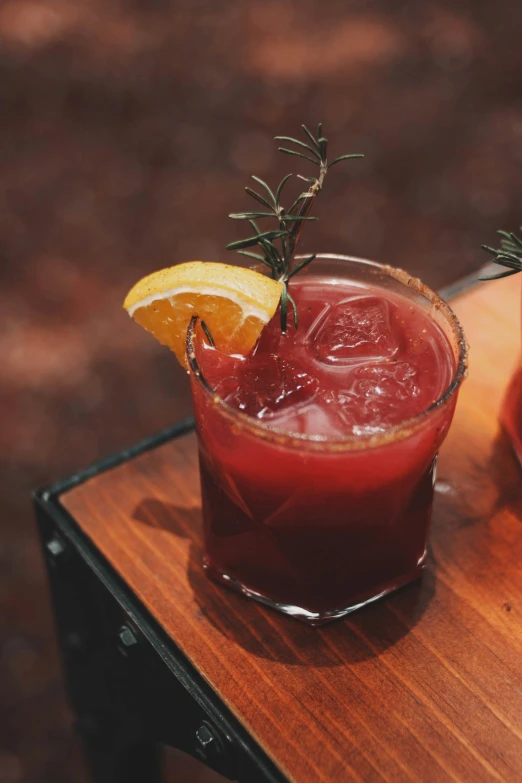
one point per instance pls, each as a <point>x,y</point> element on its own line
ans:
<point>353,441</point>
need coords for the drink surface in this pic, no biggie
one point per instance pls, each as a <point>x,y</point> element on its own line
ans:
<point>362,359</point>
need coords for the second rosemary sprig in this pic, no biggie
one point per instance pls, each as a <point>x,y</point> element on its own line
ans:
<point>508,255</point>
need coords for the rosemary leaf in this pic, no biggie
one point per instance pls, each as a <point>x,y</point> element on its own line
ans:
<point>489,249</point>
<point>513,259</point>
<point>284,249</point>
<point>512,262</point>
<point>296,218</point>
<point>250,242</point>
<point>284,309</point>
<point>294,308</point>
<point>280,188</point>
<point>299,144</point>
<point>300,198</point>
<point>516,240</point>
<point>509,246</point>
<point>510,241</point>
<point>344,157</point>
<point>259,198</point>
<point>266,187</point>
<point>507,273</point>
<point>311,137</point>
<point>273,269</point>
<point>272,253</point>
<point>249,215</point>
<point>257,256</point>
<point>298,154</point>
<point>267,260</point>
<point>254,226</point>
<point>302,265</point>
<point>241,243</point>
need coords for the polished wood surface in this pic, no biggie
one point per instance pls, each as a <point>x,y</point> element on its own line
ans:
<point>424,685</point>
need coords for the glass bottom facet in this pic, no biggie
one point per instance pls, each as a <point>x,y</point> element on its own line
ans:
<point>308,616</point>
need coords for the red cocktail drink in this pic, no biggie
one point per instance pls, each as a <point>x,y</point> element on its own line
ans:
<point>317,451</point>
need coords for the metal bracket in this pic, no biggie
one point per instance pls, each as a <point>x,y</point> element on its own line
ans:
<point>128,683</point>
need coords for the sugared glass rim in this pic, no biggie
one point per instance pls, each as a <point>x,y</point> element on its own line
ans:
<point>260,429</point>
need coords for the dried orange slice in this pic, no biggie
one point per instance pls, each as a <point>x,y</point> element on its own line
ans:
<point>234,302</point>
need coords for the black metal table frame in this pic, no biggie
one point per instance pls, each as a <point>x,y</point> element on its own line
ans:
<point>131,688</point>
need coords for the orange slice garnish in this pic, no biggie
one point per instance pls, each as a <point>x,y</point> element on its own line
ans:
<point>235,303</point>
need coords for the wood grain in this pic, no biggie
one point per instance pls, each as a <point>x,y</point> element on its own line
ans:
<point>423,686</point>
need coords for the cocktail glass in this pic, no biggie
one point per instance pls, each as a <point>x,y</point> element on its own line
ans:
<point>317,526</point>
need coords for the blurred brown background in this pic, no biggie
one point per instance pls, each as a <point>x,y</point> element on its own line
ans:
<point>128,129</point>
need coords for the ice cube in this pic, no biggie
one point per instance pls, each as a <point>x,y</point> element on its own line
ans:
<point>380,394</point>
<point>219,369</point>
<point>312,419</point>
<point>270,384</point>
<point>392,381</point>
<point>352,330</point>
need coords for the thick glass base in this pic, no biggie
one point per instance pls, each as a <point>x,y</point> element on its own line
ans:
<point>313,618</point>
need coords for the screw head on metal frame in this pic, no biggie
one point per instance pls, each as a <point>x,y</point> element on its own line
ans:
<point>205,738</point>
<point>127,637</point>
<point>209,746</point>
<point>55,549</point>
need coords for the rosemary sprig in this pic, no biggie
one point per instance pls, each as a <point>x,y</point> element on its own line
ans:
<point>509,255</point>
<point>279,258</point>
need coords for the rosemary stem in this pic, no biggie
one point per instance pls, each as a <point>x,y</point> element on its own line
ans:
<point>306,208</point>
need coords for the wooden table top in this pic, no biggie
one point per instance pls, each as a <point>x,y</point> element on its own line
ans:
<point>424,685</point>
